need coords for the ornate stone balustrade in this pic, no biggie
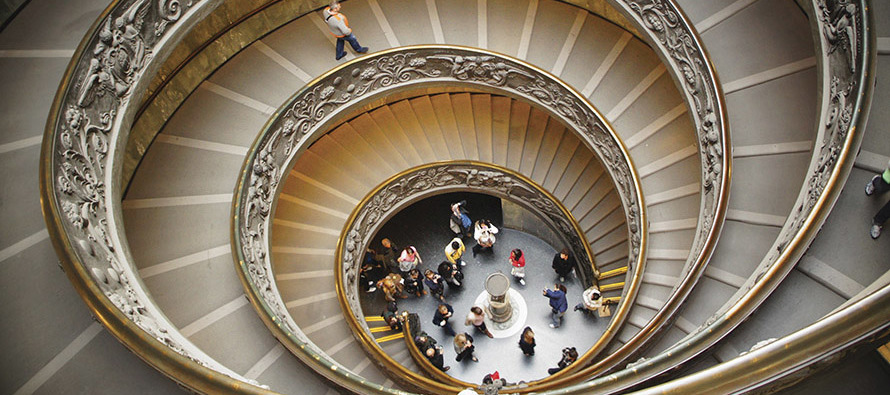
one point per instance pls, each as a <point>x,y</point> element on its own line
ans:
<point>93,111</point>
<point>326,101</point>
<point>424,181</point>
<point>80,187</point>
<point>846,41</point>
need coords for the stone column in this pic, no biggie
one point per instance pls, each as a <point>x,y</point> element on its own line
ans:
<point>499,309</point>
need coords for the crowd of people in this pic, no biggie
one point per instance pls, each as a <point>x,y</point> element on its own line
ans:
<point>400,272</point>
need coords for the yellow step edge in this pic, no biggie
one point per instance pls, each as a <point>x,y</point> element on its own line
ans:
<point>885,352</point>
<point>612,300</point>
<point>380,329</point>
<point>611,287</point>
<point>373,319</point>
<point>612,273</point>
<point>391,337</point>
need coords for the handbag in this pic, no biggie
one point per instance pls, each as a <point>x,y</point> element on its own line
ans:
<point>604,311</point>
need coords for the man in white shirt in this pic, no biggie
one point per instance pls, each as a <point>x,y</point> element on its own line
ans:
<point>339,26</point>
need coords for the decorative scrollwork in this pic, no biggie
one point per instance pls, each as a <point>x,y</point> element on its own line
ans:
<point>841,24</point>
<point>118,57</point>
<point>354,83</point>
<point>486,69</point>
<point>664,23</point>
<point>119,51</point>
<point>170,11</point>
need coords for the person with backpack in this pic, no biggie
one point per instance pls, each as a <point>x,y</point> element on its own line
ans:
<point>339,27</point>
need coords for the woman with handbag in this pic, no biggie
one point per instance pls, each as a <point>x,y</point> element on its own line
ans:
<point>463,347</point>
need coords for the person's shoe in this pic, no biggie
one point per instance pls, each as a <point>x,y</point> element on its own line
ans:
<point>562,279</point>
<point>445,369</point>
<point>475,359</point>
<point>576,308</point>
<point>372,289</point>
<point>363,50</point>
<point>341,56</point>
<point>870,187</point>
<point>875,231</point>
<point>464,263</point>
<point>490,336</point>
<point>553,326</point>
<point>522,281</point>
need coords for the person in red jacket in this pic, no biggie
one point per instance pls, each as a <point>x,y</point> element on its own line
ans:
<point>339,27</point>
<point>517,260</point>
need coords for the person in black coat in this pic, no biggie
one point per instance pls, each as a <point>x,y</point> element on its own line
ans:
<point>435,283</point>
<point>440,318</point>
<point>527,341</point>
<point>563,264</point>
<point>414,283</point>
<point>463,347</point>
<point>451,273</point>
<point>434,355</point>
<point>569,355</point>
<point>373,270</point>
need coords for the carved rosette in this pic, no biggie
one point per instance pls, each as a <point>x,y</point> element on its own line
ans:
<point>87,117</point>
<point>442,178</point>
<point>314,108</point>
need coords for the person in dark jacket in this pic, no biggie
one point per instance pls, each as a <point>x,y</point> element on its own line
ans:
<point>424,341</point>
<point>451,273</point>
<point>414,283</point>
<point>435,283</point>
<point>372,271</point>
<point>527,341</point>
<point>434,355</point>
<point>558,304</point>
<point>440,318</point>
<point>463,347</point>
<point>390,254</point>
<point>569,355</point>
<point>392,319</point>
<point>563,264</point>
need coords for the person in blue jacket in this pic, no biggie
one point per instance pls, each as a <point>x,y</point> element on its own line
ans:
<point>558,303</point>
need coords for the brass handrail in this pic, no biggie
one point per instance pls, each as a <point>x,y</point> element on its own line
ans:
<point>596,7</point>
<point>676,41</point>
<point>189,372</point>
<point>319,105</point>
<point>80,194</point>
<point>431,179</point>
<point>848,79</point>
<point>826,340</point>
<point>420,359</point>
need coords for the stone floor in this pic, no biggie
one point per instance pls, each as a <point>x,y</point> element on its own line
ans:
<point>502,352</point>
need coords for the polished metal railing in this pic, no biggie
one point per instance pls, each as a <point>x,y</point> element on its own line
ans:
<point>94,108</point>
<point>336,96</point>
<point>417,183</point>
<point>665,27</point>
<point>81,190</point>
<point>846,42</point>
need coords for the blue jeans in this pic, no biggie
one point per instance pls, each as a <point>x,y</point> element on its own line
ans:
<point>556,317</point>
<point>352,41</point>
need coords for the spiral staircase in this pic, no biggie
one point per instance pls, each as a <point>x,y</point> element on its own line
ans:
<point>176,209</point>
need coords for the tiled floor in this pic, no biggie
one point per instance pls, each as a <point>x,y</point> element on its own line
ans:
<point>501,354</point>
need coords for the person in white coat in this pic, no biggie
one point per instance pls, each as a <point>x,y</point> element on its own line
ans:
<point>339,27</point>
